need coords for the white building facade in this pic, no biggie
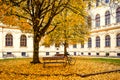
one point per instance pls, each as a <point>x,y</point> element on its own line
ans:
<point>14,42</point>
<point>105,34</point>
<point>103,41</point>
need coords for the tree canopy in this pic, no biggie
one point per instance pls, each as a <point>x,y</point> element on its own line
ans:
<point>37,15</point>
<point>72,28</point>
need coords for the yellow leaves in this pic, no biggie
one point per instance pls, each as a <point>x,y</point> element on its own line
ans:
<point>71,26</point>
<point>21,69</point>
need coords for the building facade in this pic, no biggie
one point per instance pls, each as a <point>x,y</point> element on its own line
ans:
<point>104,39</point>
<point>105,34</point>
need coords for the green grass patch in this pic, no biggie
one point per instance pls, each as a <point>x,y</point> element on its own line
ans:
<point>107,60</point>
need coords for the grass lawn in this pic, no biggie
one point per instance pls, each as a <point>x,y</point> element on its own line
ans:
<point>85,68</point>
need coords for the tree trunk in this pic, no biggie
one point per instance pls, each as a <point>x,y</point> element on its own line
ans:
<point>36,49</point>
<point>65,49</point>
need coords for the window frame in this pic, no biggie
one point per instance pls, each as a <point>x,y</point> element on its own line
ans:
<point>97,41</point>
<point>23,41</point>
<point>107,41</point>
<point>8,40</point>
<point>107,1</point>
<point>118,15</point>
<point>97,20</point>
<point>118,40</point>
<point>89,42</point>
<point>107,17</point>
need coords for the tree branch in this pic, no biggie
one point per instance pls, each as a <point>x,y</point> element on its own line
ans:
<point>21,16</point>
<point>51,30</point>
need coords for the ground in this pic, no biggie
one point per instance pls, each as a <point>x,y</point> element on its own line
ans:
<point>84,69</point>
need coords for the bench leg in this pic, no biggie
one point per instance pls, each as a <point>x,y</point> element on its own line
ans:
<point>43,65</point>
<point>64,64</point>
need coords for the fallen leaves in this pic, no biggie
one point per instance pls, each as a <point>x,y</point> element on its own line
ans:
<point>21,69</point>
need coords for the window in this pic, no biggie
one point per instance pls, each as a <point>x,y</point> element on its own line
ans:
<point>9,40</point>
<point>107,41</point>
<point>97,19</point>
<point>82,45</point>
<point>74,46</point>
<point>97,2</point>
<point>118,54</point>
<point>89,53</point>
<point>82,53</point>
<point>106,1</point>
<point>89,21</point>
<point>9,53</point>
<point>97,54</point>
<point>57,52</point>
<point>47,53</point>
<point>107,18</point>
<point>107,54</point>
<point>118,40</point>
<point>97,41</point>
<point>75,53</point>
<point>89,43</point>
<point>118,15</point>
<point>23,41</point>
<point>23,53</point>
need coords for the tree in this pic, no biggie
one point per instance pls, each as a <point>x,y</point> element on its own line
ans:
<point>38,14</point>
<point>72,28</point>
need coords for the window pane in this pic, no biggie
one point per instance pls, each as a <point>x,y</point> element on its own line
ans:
<point>107,18</point>
<point>89,43</point>
<point>98,41</point>
<point>23,41</point>
<point>118,15</point>
<point>106,1</point>
<point>9,40</point>
<point>118,40</point>
<point>74,46</point>
<point>97,19</point>
<point>107,41</point>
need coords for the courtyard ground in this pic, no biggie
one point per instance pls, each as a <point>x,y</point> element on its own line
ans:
<point>85,68</point>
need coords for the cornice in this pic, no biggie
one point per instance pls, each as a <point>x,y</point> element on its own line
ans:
<point>106,29</point>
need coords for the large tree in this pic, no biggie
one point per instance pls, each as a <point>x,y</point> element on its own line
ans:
<point>37,13</point>
<point>72,28</point>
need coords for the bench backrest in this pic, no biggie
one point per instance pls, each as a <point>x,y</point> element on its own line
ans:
<point>59,54</point>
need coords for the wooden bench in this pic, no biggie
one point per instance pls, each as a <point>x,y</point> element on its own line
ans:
<point>58,58</point>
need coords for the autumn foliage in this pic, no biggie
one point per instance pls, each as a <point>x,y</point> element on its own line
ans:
<point>20,69</point>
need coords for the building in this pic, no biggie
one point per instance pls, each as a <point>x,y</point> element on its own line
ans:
<point>105,34</point>
<point>14,43</point>
<point>103,41</point>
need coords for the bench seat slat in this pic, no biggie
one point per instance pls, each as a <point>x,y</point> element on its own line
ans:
<point>54,58</point>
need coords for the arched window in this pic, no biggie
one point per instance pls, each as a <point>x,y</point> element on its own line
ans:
<point>89,42</point>
<point>107,41</point>
<point>23,41</point>
<point>97,19</point>
<point>118,15</point>
<point>97,41</point>
<point>107,18</point>
<point>97,2</point>
<point>89,21</point>
<point>106,1</point>
<point>9,40</point>
<point>118,40</point>
<point>74,45</point>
